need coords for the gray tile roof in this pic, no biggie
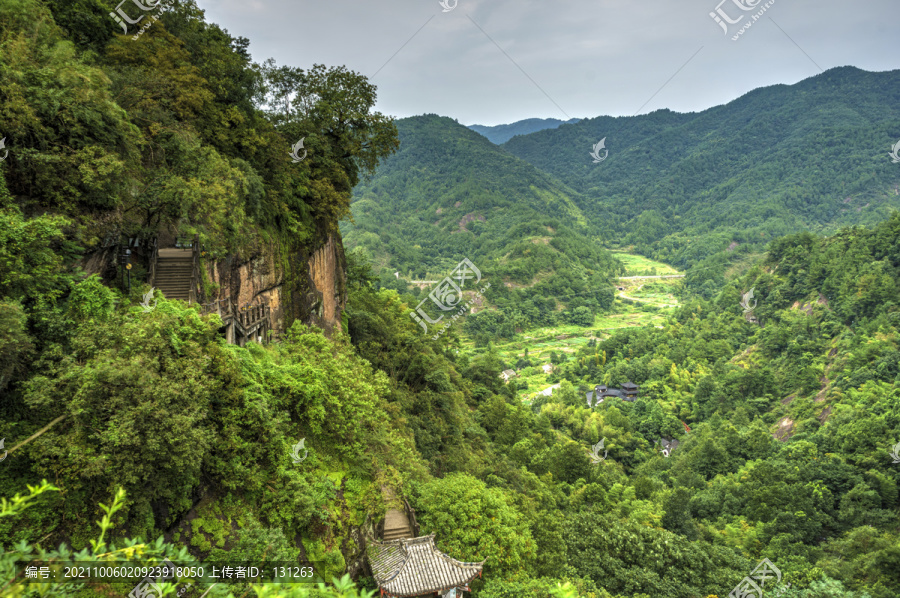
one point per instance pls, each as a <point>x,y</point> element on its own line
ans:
<point>595,397</point>
<point>415,567</point>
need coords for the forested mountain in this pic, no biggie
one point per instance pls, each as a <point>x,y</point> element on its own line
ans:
<point>788,427</point>
<point>503,133</point>
<point>448,193</point>
<point>695,189</point>
<point>133,431</point>
<point>142,418</point>
<point>175,131</point>
<point>780,159</point>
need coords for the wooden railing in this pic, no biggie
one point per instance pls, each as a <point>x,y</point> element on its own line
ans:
<point>220,306</point>
<point>411,516</point>
<point>241,323</point>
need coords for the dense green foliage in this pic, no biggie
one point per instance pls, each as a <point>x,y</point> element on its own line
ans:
<point>821,370</point>
<point>476,523</point>
<point>176,444</point>
<point>730,494</point>
<point>178,128</point>
<point>449,194</point>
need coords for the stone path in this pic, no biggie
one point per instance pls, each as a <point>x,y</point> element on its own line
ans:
<point>396,523</point>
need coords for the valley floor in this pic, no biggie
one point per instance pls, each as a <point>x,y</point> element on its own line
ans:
<point>645,295</point>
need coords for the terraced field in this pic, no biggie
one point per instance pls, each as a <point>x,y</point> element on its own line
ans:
<point>642,302</point>
<point>638,265</point>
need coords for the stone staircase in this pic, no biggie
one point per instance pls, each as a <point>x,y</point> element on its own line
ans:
<point>173,273</point>
<point>396,523</point>
<point>396,526</point>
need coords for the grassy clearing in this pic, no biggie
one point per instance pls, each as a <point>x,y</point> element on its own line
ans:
<point>740,267</point>
<point>540,343</point>
<point>638,265</point>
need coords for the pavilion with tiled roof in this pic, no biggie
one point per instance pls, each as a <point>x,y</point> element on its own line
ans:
<point>414,567</point>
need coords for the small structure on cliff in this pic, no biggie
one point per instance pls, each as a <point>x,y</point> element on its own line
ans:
<point>415,567</point>
<point>255,294</point>
<point>176,271</point>
<point>241,324</point>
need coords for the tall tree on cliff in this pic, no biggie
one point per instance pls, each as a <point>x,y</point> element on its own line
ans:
<point>178,126</point>
<point>330,108</point>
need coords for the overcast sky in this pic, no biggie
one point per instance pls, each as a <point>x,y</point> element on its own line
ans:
<point>498,61</point>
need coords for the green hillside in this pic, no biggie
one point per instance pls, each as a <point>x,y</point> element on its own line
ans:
<point>133,432</point>
<point>781,159</point>
<point>449,193</point>
<point>787,428</point>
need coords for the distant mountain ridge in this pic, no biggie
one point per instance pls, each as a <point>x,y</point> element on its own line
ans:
<point>502,133</point>
<point>777,160</point>
<point>682,188</point>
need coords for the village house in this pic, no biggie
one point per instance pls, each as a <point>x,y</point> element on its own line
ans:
<point>628,392</point>
<point>547,392</point>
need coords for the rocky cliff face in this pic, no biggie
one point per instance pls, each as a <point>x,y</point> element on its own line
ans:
<point>307,284</point>
<point>327,289</point>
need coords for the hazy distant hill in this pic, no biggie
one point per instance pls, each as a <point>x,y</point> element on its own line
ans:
<point>449,193</point>
<point>502,133</point>
<point>777,160</point>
